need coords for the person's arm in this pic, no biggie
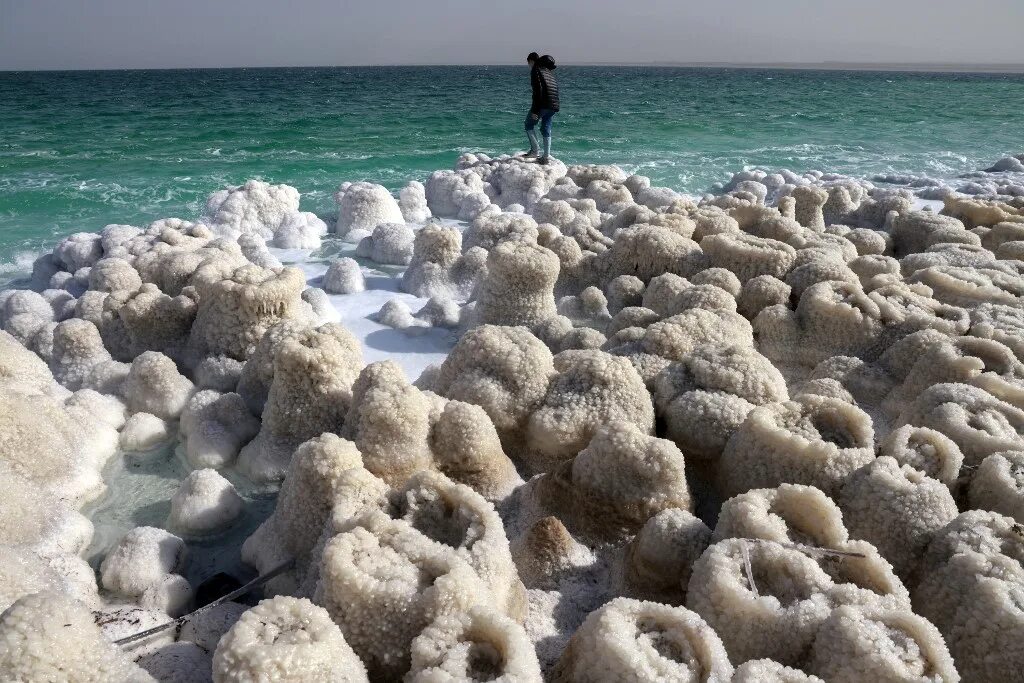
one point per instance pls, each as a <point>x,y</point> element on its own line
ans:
<point>538,95</point>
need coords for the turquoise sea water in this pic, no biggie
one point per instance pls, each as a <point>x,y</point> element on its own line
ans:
<point>79,150</point>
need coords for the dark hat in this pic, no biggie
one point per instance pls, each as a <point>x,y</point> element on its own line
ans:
<point>532,56</point>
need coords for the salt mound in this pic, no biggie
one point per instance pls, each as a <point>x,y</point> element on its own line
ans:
<point>829,374</point>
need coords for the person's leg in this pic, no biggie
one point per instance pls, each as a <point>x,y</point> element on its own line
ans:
<point>545,131</point>
<point>531,135</point>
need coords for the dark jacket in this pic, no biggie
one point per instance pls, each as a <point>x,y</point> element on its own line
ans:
<point>545,87</point>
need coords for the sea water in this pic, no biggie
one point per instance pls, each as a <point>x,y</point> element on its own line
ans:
<point>79,150</point>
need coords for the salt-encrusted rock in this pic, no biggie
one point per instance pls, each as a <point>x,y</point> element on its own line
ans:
<point>303,506</point>
<point>177,663</point>
<point>300,230</point>
<point>371,583</point>
<point>972,572</point>
<point>389,421</point>
<point>58,447</point>
<point>311,391</point>
<point>344,276</point>
<point>143,432</point>
<point>926,450</point>
<point>813,440</point>
<point>643,641</point>
<point>205,502</point>
<point>438,266</point>
<point>963,413</point>
<point>171,595</point>
<point>897,509</point>
<point>237,307</point>
<point>80,250</point>
<point>219,373</point>
<point>872,643</point>
<point>364,206</point>
<point>206,628</point>
<point>412,200</point>
<point>479,644</point>
<point>790,513</point>
<point>49,637</point>
<point>646,251</point>
<point>77,349</point>
<point>389,243</point>
<point>468,450</point>
<point>504,370</point>
<point>255,208</point>
<point>519,286</point>
<point>592,389</point>
<point>770,671</point>
<point>286,639</point>
<point>141,559</point>
<point>706,397</point>
<point>792,594</point>
<point>998,485</point>
<point>624,291</point>
<point>155,386</point>
<point>658,561</point>
<point>748,256</point>
<point>620,480</point>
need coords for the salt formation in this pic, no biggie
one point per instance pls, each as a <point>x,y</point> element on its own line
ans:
<point>620,480</point>
<point>300,230</point>
<point>439,267</point>
<point>519,286</point>
<point>897,509</point>
<point>590,389</point>
<point>236,308</point>
<point>256,208</point>
<point>155,386</point>
<point>412,200</point>
<point>286,639</point>
<point>365,206</point>
<point>998,485</point>
<point>344,277</point>
<point>707,396</point>
<point>973,577</point>
<point>313,373</point>
<point>825,371</point>
<point>141,560</point>
<point>214,427</point>
<point>813,440</point>
<point>389,243</point>
<point>775,608</point>
<point>371,585</point>
<point>204,503</point>
<point>644,641</point>
<point>857,644</point>
<point>504,370</point>
<point>31,629</point>
<point>315,474</point>
<point>479,644</point>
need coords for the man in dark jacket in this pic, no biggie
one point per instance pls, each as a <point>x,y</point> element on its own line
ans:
<point>545,103</point>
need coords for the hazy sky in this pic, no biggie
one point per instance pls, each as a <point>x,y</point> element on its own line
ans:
<point>57,34</point>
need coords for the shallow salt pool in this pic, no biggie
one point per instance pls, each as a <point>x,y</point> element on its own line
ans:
<point>140,486</point>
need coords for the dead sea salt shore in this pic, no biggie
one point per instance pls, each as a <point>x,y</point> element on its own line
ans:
<point>525,422</point>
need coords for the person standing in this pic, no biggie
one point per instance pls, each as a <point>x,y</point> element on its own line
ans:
<point>544,105</point>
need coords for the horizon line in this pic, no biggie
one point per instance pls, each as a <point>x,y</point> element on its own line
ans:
<point>828,65</point>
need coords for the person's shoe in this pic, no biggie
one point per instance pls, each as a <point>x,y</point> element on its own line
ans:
<point>532,154</point>
<point>543,161</point>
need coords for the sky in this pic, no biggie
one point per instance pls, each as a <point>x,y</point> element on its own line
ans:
<point>118,34</point>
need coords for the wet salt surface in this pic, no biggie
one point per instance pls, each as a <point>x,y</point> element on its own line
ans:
<point>140,486</point>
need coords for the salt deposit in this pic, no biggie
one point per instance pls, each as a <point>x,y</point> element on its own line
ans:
<point>526,422</point>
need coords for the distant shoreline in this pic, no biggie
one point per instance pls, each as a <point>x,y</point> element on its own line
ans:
<point>879,67</point>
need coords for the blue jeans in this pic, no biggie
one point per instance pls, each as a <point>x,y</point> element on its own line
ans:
<point>545,121</point>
